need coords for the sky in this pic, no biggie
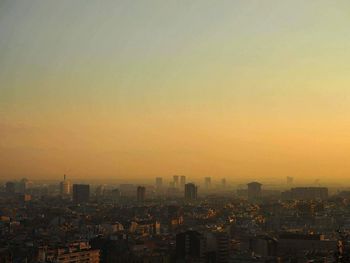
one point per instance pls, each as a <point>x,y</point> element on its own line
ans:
<point>137,89</point>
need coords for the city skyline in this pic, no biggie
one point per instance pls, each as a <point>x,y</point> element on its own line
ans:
<point>239,90</point>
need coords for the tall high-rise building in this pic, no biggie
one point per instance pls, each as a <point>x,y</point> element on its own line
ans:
<point>141,193</point>
<point>65,187</point>
<point>176,181</point>
<point>207,182</point>
<point>159,183</point>
<point>190,247</point>
<point>222,247</point>
<point>81,193</point>
<point>254,191</point>
<point>190,191</point>
<point>182,181</point>
<point>290,180</point>
<point>10,187</point>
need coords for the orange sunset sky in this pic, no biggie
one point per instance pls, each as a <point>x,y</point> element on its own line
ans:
<point>137,89</point>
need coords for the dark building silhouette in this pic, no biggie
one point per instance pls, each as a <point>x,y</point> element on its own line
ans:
<point>222,247</point>
<point>190,246</point>
<point>190,191</point>
<point>141,194</point>
<point>254,191</point>
<point>176,181</point>
<point>81,193</point>
<point>23,186</point>
<point>182,181</point>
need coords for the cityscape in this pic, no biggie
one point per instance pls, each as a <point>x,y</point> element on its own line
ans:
<point>174,131</point>
<point>173,220</point>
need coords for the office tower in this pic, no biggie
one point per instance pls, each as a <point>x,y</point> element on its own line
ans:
<point>81,193</point>
<point>290,180</point>
<point>190,191</point>
<point>65,187</point>
<point>176,181</point>
<point>141,194</point>
<point>222,247</point>
<point>254,191</point>
<point>207,182</point>
<point>223,183</point>
<point>182,181</point>
<point>10,187</point>
<point>159,183</point>
<point>190,247</point>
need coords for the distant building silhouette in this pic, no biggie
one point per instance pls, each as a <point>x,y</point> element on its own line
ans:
<point>182,182</point>
<point>176,181</point>
<point>254,191</point>
<point>190,247</point>
<point>141,194</point>
<point>190,191</point>
<point>81,193</point>
<point>23,186</point>
<point>65,187</point>
<point>207,182</point>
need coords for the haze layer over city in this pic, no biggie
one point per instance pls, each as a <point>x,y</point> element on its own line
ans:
<point>132,90</point>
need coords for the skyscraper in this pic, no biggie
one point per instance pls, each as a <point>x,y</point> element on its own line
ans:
<point>222,247</point>
<point>182,181</point>
<point>65,187</point>
<point>81,193</point>
<point>190,191</point>
<point>254,191</point>
<point>141,193</point>
<point>176,181</point>
<point>190,247</point>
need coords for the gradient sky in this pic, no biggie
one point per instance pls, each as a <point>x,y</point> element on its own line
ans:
<point>137,89</point>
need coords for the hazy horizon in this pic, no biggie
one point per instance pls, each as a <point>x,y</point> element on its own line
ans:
<point>138,89</point>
